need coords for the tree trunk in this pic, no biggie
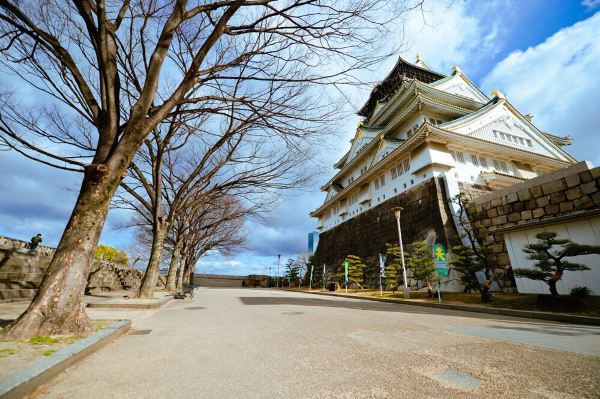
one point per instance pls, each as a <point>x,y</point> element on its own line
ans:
<point>181,271</point>
<point>172,275</point>
<point>59,305</point>
<point>150,278</point>
<point>187,275</point>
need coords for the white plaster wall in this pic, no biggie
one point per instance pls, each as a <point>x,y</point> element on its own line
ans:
<point>581,232</point>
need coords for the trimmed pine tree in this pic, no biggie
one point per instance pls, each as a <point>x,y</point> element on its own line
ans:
<point>393,268</point>
<point>356,271</point>
<point>550,264</point>
<point>419,259</point>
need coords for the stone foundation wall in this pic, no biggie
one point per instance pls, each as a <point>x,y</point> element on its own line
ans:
<point>22,271</point>
<point>541,199</point>
<point>425,217</point>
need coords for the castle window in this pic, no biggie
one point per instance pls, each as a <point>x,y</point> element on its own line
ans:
<point>406,165</point>
<point>529,143</point>
<point>483,162</point>
<point>458,156</point>
<point>474,160</point>
<point>501,166</point>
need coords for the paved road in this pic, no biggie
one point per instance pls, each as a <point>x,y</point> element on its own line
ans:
<point>253,343</point>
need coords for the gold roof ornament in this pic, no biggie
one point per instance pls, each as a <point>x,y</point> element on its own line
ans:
<point>498,94</point>
<point>456,70</point>
<point>529,117</point>
<point>419,58</point>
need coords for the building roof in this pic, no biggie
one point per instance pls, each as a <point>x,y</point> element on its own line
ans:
<point>402,70</point>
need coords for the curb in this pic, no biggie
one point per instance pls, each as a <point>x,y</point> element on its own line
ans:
<point>153,305</point>
<point>23,382</point>
<point>528,314</point>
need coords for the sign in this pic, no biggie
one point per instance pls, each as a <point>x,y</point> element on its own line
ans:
<point>439,256</point>
<point>381,265</point>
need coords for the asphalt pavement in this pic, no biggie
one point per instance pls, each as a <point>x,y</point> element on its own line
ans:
<point>265,343</point>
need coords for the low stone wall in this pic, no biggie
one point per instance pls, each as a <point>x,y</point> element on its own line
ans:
<point>539,200</point>
<point>22,271</point>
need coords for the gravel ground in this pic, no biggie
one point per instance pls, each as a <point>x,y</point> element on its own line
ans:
<point>260,343</point>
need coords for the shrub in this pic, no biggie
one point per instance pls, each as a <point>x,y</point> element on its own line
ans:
<point>580,292</point>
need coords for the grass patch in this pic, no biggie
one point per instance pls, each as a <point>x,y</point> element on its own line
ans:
<point>43,340</point>
<point>49,352</point>
<point>7,352</point>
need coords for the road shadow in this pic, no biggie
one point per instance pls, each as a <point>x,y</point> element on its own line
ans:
<point>550,327</point>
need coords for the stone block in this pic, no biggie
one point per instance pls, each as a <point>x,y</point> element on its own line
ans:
<point>497,248</point>
<point>596,198</point>
<point>526,215</point>
<point>496,202</point>
<point>595,172</point>
<point>524,195</point>
<point>531,204</point>
<point>512,197</point>
<point>543,201</point>
<point>518,207</point>
<point>585,176</point>
<point>499,237</point>
<point>589,187</point>
<point>572,180</point>
<point>513,217</point>
<point>499,220</point>
<point>502,210</point>
<point>552,209</point>
<point>538,212</point>
<point>492,213</point>
<point>585,202</point>
<point>556,198</point>
<point>486,222</point>
<point>573,193</point>
<point>536,191</point>
<point>566,206</point>
<point>503,259</point>
<point>552,187</point>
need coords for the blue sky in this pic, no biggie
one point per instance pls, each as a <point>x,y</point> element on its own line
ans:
<point>543,55</point>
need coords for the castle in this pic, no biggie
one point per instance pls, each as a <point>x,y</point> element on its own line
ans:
<point>424,138</point>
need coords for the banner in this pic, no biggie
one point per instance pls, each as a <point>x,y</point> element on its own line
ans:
<point>382,265</point>
<point>346,265</point>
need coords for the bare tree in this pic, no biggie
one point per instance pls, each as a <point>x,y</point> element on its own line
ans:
<point>109,72</point>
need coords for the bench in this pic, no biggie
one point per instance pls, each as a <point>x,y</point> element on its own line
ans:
<point>185,290</point>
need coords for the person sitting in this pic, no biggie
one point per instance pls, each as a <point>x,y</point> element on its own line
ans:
<point>35,241</point>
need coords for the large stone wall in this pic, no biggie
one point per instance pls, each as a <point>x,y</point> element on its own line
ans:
<point>22,271</point>
<point>425,217</point>
<point>539,200</point>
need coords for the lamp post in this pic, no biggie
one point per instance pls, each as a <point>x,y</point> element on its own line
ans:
<point>278,260</point>
<point>397,215</point>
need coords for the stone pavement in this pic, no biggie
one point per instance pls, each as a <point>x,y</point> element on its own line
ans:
<point>260,343</point>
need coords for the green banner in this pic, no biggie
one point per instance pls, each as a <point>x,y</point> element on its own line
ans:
<point>346,264</point>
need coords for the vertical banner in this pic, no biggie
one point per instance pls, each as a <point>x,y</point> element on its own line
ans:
<point>381,272</point>
<point>324,279</point>
<point>346,265</point>
<point>311,276</point>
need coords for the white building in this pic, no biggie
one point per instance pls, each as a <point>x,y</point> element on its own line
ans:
<point>420,124</point>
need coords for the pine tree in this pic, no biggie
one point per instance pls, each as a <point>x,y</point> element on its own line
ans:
<point>549,265</point>
<point>419,259</point>
<point>291,270</point>
<point>393,268</point>
<point>356,270</point>
<point>467,265</point>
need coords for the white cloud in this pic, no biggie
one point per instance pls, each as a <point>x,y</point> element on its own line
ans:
<point>590,4</point>
<point>557,82</point>
<point>455,34</point>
